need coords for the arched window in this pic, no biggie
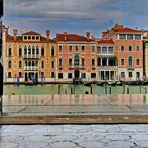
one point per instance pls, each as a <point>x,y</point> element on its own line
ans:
<point>42,64</point>
<point>29,63</point>
<point>29,50</point>
<point>76,59</point>
<point>25,50</point>
<point>37,50</point>
<point>130,61</point>
<point>42,51</point>
<point>52,51</point>
<point>52,64</point>
<point>9,64</point>
<point>33,50</point>
<point>20,51</point>
<point>9,51</point>
<point>32,63</point>
<point>26,63</point>
<point>52,74</point>
<point>20,64</point>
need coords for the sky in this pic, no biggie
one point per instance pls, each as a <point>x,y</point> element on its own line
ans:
<point>74,16</point>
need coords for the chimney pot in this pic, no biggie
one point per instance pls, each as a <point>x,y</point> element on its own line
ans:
<point>65,36</point>
<point>15,31</point>
<point>47,34</point>
<point>88,35</point>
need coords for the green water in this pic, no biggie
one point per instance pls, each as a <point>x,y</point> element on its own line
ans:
<point>67,88</point>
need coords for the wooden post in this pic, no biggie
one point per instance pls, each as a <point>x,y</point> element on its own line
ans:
<point>140,89</point>
<point>128,91</point>
<point>58,89</point>
<point>91,91</point>
<point>110,90</point>
<point>105,88</point>
<point>145,90</point>
<point>123,88</point>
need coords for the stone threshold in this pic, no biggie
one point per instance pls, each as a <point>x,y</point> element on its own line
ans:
<point>74,119</point>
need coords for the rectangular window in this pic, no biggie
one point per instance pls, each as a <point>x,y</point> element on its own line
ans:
<point>138,62</point>
<point>110,50</point>
<point>122,48</point>
<point>60,48</point>
<point>122,74</point>
<point>83,48</point>
<point>83,62</point>
<point>20,74</point>
<point>70,48</point>
<point>93,62</point>
<point>76,48</point>
<point>93,75</point>
<point>60,75</point>
<point>83,75</point>
<point>122,61</point>
<point>99,49</point>
<point>137,74</point>
<point>122,36</point>
<point>130,74</point>
<point>137,48</point>
<point>130,37</point>
<point>93,48</point>
<point>104,50</point>
<point>130,48</point>
<point>137,37</point>
<point>9,74</point>
<point>70,62</point>
<point>60,62</point>
<point>69,75</point>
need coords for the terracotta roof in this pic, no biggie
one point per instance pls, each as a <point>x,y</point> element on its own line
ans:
<point>72,37</point>
<point>105,41</point>
<point>31,33</point>
<point>121,28</point>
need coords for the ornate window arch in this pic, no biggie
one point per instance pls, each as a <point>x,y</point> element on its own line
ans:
<point>52,50</point>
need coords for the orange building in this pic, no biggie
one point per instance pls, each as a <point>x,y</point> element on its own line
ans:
<point>128,48</point>
<point>28,56</point>
<point>77,57</point>
<point>118,55</point>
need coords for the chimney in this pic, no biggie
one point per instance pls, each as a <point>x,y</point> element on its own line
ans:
<point>65,36</point>
<point>47,35</point>
<point>88,36</point>
<point>5,29</point>
<point>15,31</point>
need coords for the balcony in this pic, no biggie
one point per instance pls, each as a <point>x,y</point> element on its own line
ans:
<point>60,67</point>
<point>31,56</point>
<point>130,67</point>
<point>31,68</point>
<point>107,67</point>
<point>93,67</point>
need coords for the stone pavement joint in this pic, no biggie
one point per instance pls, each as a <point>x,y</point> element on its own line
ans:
<point>74,136</point>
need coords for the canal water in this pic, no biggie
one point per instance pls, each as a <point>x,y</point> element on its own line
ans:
<point>72,89</point>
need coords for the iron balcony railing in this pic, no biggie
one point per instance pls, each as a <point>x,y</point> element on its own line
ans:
<point>31,68</point>
<point>32,56</point>
<point>107,67</point>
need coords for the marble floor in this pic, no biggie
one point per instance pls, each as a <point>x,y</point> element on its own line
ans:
<point>74,136</point>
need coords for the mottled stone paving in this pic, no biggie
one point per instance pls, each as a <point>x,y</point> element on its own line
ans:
<point>74,136</point>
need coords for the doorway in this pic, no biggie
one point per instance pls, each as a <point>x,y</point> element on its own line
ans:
<point>77,74</point>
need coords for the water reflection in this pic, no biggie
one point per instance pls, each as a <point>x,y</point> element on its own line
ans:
<point>51,100</point>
